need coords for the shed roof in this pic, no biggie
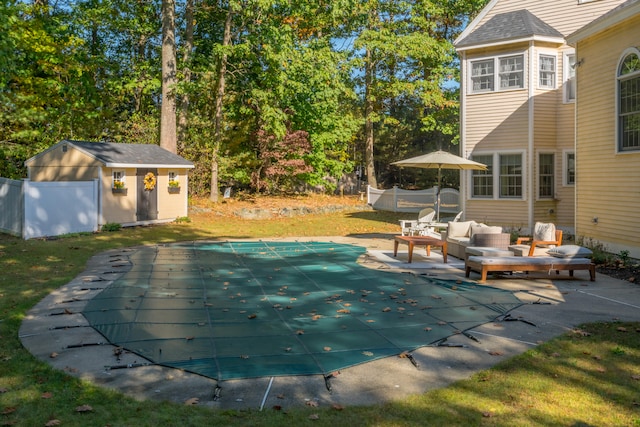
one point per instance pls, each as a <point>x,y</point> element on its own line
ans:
<point>510,26</point>
<point>127,155</point>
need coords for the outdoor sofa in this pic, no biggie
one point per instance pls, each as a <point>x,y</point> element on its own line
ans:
<point>463,234</point>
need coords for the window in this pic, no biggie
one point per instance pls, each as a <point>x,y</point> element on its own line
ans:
<point>173,177</point>
<point>629,102</point>
<point>570,77</point>
<point>547,71</point>
<point>510,176</point>
<point>510,74</point>
<point>483,180</point>
<point>569,168</point>
<point>482,75</point>
<point>546,176</point>
<point>118,180</point>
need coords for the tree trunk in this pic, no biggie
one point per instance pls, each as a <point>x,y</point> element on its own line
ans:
<point>217,136</point>
<point>186,60</point>
<point>368,124</point>
<point>168,131</point>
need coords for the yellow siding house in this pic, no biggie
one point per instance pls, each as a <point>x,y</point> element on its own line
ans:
<point>517,95</point>
<point>608,130</point>
<point>138,184</point>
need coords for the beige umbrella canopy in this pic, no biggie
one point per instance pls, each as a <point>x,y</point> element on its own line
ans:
<point>440,160</point>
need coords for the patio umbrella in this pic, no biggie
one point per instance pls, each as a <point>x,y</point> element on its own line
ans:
<point>440,160</point>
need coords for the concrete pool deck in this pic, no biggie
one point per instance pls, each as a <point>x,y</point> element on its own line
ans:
<point>55,332</point>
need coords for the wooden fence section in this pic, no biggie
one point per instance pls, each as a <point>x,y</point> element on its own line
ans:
<point>399,200</point>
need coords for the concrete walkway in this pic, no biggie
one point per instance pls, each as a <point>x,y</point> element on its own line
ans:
<point>56,332</point>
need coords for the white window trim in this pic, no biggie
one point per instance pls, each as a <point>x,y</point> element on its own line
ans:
<point>555,70</point>
<point>176,176</point>
<point>496,73</point>
<point>496,176</point>
<point>555,176</point>
<point>617,100</point>
<point>565,167</point>
<point>565,76</point>
<point>123,177</point>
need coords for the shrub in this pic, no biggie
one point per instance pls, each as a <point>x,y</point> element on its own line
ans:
<point>111,226</point>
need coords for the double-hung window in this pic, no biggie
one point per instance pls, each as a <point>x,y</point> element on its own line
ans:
<point>629,102</point>
<point>498,73</point>
<point>546,178</point>
<point>547,72</point>
<point>510,176</point>
<point>504,172</point>
<point>482,186</point>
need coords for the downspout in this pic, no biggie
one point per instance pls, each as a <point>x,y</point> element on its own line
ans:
<point>530,139</point>
<point>463,151</point>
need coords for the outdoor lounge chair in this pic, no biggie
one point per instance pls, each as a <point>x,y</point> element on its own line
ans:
<point>420,226</point>
<point>545,236</point>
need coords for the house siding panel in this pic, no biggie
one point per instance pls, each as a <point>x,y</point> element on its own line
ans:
<point>608,184</point>
<point>566,16</point>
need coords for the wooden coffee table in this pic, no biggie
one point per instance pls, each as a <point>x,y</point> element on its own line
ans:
<point>412,241</point>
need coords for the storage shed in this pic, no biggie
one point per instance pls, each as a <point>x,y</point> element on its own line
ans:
<point>137,184</point>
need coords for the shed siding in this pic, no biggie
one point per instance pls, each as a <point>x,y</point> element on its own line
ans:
<point>172,205</point>
<point>119,207</point>
<point>58,165</point>
<point>608,184</point>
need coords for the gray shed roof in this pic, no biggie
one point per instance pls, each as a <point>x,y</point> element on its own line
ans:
<point>130,155</point>
<point>509,26</point>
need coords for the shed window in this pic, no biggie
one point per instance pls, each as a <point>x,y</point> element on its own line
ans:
<point>629,102</point>
<point>118,179</point>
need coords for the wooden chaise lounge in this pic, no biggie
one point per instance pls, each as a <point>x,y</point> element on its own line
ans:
<point>485,264</point>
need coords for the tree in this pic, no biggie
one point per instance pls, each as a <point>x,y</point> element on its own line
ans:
<point>168,126</point>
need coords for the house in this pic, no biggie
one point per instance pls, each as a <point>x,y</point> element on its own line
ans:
<point>608,130</point>
<point>137,183</point>
<point>517,94</point>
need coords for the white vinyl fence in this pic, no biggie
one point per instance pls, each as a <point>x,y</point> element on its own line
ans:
<point>44,209</point>
<point>399,200</point>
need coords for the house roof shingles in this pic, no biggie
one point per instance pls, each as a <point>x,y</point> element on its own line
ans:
<point>131,155</point>
<point>514,25</point>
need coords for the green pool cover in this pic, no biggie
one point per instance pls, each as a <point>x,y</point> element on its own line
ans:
<point>230,310</point>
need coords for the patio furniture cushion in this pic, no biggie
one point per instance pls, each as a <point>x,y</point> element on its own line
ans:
<point>516,263</point>
<point>460,228</point>
<point>570,251</point>
<point>487,251</point>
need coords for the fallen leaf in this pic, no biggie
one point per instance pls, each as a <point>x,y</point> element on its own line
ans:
<point>337,407</point>
<point>277,408</point>
<point>192,401</point>
<point>555,354</point>
<point>300,332</point>
<point>53,355</point>
<point>367,353</point>
<point>280,396</point>
<point>252,316</point>
<point>314,417</point>
<point>635,377</point>
<point>344,310</point>
<point>427,329</point>
<point>84,408</point>
<point>312,403</point>
<point>8,410</point>
<point>495,353</point>
<point>52,423</point>
<point>386,309</point>
<point>47,395</point>
<point>327,348</point>
<point>621,329</point>
<point>487,414</point>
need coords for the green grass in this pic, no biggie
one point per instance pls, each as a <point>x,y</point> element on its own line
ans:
<point>586,378</point>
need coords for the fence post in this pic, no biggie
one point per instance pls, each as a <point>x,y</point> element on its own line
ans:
<point>395,198</point>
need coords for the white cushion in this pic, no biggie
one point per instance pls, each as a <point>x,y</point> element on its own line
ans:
<point>459,229</point>
<point>570,251</point>
<point>484,229</point>
<point>545,232</point>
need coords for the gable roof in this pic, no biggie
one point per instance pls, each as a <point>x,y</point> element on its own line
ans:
<point>510,27</point>
<point>624,11</point>
<point>115,155</point>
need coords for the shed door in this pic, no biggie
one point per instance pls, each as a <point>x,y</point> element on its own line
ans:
<point>147,195</point>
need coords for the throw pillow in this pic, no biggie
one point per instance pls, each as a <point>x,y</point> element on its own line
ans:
<point>570,251</point>
<point>484,229</point>
<point>459,229</point>
<point>545,232</point>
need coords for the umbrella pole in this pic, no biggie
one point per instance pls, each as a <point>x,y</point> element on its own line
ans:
<point>438,197</point>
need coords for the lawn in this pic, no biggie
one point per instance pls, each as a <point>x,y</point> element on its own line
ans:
<point>590,376</point>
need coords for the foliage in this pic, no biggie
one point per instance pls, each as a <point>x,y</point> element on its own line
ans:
<point>111,226</point>
<point>78,70</point>
<point>588,376</point>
